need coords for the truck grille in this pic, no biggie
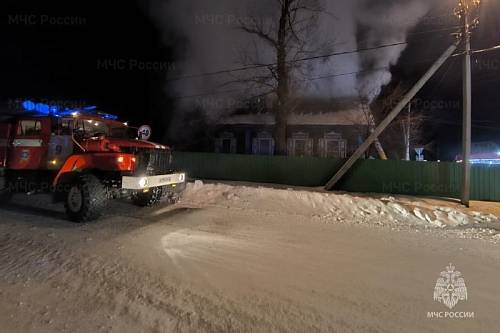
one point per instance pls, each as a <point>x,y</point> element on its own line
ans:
<point>153,162</point>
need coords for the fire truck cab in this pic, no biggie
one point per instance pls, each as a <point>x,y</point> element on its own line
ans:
<point>84,158</point>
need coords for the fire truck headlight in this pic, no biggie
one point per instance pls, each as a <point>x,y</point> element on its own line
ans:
<point>120,159</point>
<point>143,182</point>
<point>53,162</point>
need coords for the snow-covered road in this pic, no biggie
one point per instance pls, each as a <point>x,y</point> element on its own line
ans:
<point>247,259</point>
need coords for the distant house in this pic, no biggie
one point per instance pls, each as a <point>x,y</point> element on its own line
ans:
<point>323,128</point>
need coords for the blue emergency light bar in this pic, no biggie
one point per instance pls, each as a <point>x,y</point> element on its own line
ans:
<point>28,105</point>
<point>54,110</point>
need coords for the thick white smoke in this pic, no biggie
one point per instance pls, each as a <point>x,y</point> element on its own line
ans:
<point>382,23</point>
<point>206,41</point>
<point>213,42</point>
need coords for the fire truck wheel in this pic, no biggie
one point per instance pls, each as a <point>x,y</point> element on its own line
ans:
<point>148,199</point>
<point>85,199</point>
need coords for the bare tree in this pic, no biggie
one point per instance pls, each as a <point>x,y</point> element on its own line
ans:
<point>406,130</point>
<point>289,36</point>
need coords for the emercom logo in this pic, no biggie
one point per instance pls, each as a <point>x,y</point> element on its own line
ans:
<point>450,289</point>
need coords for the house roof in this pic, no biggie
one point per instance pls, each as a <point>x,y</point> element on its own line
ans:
<point>346,111</point>
<point>346,118</point>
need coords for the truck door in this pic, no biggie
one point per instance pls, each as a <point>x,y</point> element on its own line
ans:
<point>4,143</point>
<point>28,149</point>
<point>60,143</point>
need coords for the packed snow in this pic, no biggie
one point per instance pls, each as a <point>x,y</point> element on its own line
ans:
<point>244,258</point>
<point>335,207</point>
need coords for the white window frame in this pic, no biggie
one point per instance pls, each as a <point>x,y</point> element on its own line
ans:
<point>256,143</point>
<point>333,138</point>
<point>300,136</point>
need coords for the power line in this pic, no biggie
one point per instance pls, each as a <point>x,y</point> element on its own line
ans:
<point>427,17</point>
<point>408,34</point>
<point>376,69</point>
<point>210,94</point>
<point>301,80</point>
<point>359,50</point>
<point>245,68</point>
<point>434,30</point>
<point>307,79</point>
<point>493,48</point>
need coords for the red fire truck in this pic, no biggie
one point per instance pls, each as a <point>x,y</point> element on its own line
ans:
<point>84,158</point>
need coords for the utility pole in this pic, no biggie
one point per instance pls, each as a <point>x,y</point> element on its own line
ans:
<point>393,114</point>
<point>467,114</point>
<point>464,12</point>
<point>467,11</point>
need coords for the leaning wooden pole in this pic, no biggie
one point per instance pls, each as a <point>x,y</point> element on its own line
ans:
<point>390,117</point>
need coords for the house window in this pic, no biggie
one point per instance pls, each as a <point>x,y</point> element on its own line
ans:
<point>332,145</point>
<point>263,144</point>
<point>226,146</point>
<point>335,148</point>
<point>226,143</point>
<point>300,145</point>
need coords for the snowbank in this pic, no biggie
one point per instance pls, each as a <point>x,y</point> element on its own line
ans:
<point>331,207</point>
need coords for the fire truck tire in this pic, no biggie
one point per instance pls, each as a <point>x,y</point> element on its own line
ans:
<point>148,199</point>
<point>85,199</point>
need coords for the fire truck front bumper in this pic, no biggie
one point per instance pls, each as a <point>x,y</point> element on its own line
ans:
<point>147,182</point>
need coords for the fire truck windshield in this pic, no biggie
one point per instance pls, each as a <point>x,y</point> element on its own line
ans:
<point>123,132</point>
<point>90,128</point>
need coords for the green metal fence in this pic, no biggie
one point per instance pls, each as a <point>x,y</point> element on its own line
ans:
<point>392,177</point>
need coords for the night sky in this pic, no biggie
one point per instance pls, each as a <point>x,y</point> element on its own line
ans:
<point>93,61</point>
<point>442,96</point>
<point>90,62</point>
